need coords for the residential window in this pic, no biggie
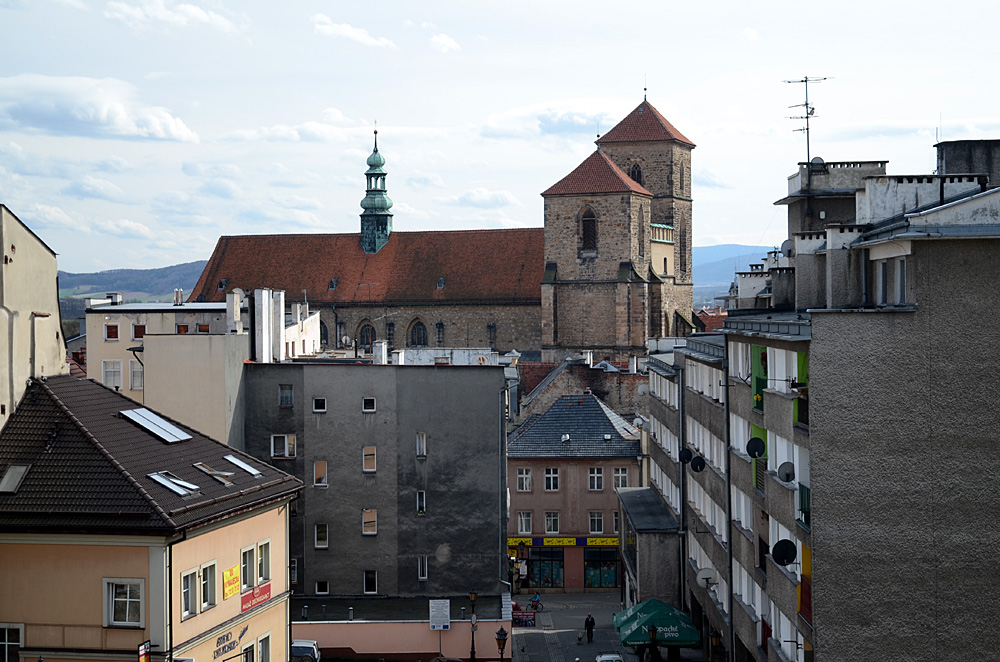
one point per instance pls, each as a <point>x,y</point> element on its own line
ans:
<point>421,444</point>
<point>524,522</point>
<point>369,521</point>
<point>596,522</point>
<point>138,331</point>
<point>552,479</point>
<point>263,561</point>
<point>596,479</point>
<point>189,593</point>
<point>321,536</point>
<point>368,405</point>
<point>111,374</point>
<point>247,569</point>
<point>319,405</point>
<point>284,395</point>
<point>111,331</point>
<point>524,480</point>
<point>621,477</point>
<point>264,649</point>
<point>10,642</point>
<point>368,459</point>
<point>616,521</point>
<point>202,328</point>
<point>124,602</point>
<point>282,445</point>
<point>551,522</point>
<point>248,653</point>
<point>181,328</point>
<point>371,581</point>
<point>322,587</point>
<point>422,562</point>
<point>319,474</point>
<point>135,375</point>
<point>421,502</point>
<point>901,280</point>
<point>207,586</point>
<point>293,571</point>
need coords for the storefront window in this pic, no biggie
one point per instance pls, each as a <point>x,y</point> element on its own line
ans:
<point>545,567</point>
<point>600,567</point>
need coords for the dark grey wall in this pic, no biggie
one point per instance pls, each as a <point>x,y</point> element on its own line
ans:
<point>904,432</point>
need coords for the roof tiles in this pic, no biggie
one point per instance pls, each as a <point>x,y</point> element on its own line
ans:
<point>644,124</point>
<point>597,174</point>
<point>593,430</point>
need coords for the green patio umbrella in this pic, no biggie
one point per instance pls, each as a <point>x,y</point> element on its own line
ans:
<point>673,627</point>
<point>647,607</point>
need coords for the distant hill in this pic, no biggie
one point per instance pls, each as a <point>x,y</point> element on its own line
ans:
<point>714,266</point>
<point>142,284</point>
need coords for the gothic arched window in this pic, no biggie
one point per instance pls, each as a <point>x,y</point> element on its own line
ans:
<point>418,335</point>
<point>588,230</point>
<point>636,174</point>
<point>366,337</point>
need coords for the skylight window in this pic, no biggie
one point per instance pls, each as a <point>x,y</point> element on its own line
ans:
<point>155,424</point>
<point>244,466</point>
<point>12,478</point>
<point>221,476</point>
<point>174,483</point>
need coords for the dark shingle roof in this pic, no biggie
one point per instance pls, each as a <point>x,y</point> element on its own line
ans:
<point>586,420</point>
<point>89,467</point>
<point>478,266</point>
<point>597,174</point>
<point>645,510</point>
<point>644,124</point>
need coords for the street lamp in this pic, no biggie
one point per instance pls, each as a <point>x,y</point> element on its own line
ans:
<point>501,641</point>
<point>472,598</point>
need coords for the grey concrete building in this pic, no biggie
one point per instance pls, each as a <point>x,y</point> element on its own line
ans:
<point>404,478</point>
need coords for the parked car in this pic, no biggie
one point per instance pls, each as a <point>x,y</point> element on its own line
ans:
<point>608,657</point>
<point>304,650</point>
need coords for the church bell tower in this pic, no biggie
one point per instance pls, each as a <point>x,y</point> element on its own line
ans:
<point>376,219</point>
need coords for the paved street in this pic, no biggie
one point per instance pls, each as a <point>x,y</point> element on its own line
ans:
<point>554,639</point>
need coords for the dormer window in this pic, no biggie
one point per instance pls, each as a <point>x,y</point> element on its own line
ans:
<point>333,284</point>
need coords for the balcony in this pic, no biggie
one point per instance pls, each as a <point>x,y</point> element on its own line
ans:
<point>759,384</point>
<point>806,599</point>
<point>802,408</point>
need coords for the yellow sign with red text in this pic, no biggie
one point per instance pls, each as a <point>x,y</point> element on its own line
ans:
<point>230,582</point>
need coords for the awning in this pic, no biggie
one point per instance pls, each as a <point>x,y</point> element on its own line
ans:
<point>673,626</point>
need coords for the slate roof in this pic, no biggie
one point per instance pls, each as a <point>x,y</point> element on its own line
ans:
<point>478,266</point>
<point>644,124</point>
<point>89,467</point>
<point>645,510</point>
<point>586,420</point>
<point>597,174</point>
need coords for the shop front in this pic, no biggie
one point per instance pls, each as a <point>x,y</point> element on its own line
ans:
<point>566,564</point>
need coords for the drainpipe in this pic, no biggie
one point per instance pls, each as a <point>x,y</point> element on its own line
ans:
<point>864,277</point>
<point>681,442</point>
<point>501,477</point>
<point>729,498</point>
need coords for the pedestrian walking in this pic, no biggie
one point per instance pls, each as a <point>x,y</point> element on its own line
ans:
<point>589,624</point>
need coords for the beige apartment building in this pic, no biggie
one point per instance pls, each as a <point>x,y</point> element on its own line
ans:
<point>120,527</point>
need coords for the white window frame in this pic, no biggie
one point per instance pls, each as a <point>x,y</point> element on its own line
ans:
<point>132,363</point>
<point>293,570</point>
<point>285,443</point>
<point>109,603</point>
<point>423,561</point>
<point>118,331</point>
<point>284,389</point>
<point>599,519</point>
<point>325,482</point>
<point>621,477</point>
<point>20,637</point>
<point>363,581</point>
<point>316,529</point>
<point>190,601</point>
<point>264,643</point>
<point>421,502</point>
<point>373,532</point>
<point>551,516</point>
<point>595,479</point>
<point>364,459</point>
<point>551,479</point>
<point>133,336</point>
<point>107,363</point>
<point>316,587</point>
<point>368,407</point>
<point>210,600</point>
<point>249,646</point>
<point>616,521</point>
<point>524,479</point>
<point>317,408</point>
<point>264,564</point>
<point>248,579</point>
<point>524,518</point>
<point>421,444</point>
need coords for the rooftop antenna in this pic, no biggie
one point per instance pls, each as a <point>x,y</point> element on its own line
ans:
<point>376,135</point>
<point>644,87</point>
<point>807,109</point>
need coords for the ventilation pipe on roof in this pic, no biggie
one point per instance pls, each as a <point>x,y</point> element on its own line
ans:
<point>632,365</point>
<point>115,297</point>
<point>380,351</point>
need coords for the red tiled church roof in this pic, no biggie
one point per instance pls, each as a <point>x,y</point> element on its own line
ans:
<point>489,266</point>
<point>597,174</point>
<point>644,124</point>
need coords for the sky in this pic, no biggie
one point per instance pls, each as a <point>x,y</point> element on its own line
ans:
<point>134,133</point>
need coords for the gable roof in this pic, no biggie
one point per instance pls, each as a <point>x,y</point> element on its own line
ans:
<point>89,467</point>
<point>478,266</point>
<point>597,174</point>
<point>594,431</point>
<point>644,124</point>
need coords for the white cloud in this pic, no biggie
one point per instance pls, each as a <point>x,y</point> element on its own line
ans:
<point>220,188</point>
<point>95,187</point>
<point>444,44</point>
<point>546,119</point>
<point>405,212</point>
<point>482,198</point>
<point>75,4</point>
<point>47,216</point>
<point>425,179</point>
<point>79,106</point>
<point>147,12</point>
<point>123,228</point>
<point>114,163</point>
<point>288,178</point>
<point>296,202</point>
<point>750,34</point>
<point>322,24</point>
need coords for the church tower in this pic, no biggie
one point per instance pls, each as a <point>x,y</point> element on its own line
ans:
<point>618,243</point>
<point>376,219</point>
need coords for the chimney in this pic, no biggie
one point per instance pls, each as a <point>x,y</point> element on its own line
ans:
<point>380,352</point>
<point>234,323</point>
<point>296,313</point>
<point>632,365</point>
<point>116,298</point>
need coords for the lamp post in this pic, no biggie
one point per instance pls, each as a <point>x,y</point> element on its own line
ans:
<point>501,641</point>
<point>472,598</point>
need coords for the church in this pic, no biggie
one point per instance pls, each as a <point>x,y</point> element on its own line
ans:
<point>610,268</point>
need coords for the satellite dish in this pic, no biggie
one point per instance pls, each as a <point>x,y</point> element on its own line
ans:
<point>346,340</point>
<point>788,248</point>
<point>755,447</point>
<point>686,455</point>
<point>783,552</point>
<point>637,423</point>
<point>786,472</point>
<point>706,578</point>
<point>698,464</point>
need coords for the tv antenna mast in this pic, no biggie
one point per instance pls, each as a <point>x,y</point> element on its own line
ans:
<point>807,110</point>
